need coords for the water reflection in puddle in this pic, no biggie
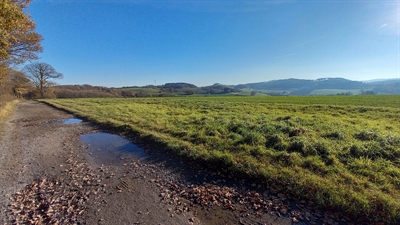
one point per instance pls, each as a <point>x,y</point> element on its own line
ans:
<point>108,148</point>
<point>72,121</point>
<point>64,121</point>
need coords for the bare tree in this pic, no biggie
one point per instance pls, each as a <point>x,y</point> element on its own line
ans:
<point>39,74</point>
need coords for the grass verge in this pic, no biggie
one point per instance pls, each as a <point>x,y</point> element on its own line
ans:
<point>5,112</point>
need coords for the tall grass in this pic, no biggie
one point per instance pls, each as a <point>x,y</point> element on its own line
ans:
<point>333,150</point>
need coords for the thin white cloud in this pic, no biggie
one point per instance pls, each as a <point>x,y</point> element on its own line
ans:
<point>389,20</point>
<point>383,25</point>
<point>287,55</point>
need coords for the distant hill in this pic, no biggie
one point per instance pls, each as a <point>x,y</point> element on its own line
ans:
<point>178,85</point>
<point>323,85</point>
<point>381,80</point>
<point>84,91</point>
<point>389,86</point>
<point>218,88</point>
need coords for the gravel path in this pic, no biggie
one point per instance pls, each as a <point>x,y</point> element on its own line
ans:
<point>48,176</point>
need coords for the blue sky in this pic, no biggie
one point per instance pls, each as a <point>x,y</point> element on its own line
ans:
<point>118,43</point>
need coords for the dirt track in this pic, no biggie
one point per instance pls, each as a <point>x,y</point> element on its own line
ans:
<point>33,150</point>
<point>46,176</point>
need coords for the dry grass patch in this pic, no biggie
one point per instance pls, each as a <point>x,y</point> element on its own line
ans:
<point>5,112</point>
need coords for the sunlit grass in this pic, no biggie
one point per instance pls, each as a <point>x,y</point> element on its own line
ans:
<point>339,151</point>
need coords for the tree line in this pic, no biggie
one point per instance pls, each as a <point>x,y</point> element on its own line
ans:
<point>20,43</point>
<point>89,91</point>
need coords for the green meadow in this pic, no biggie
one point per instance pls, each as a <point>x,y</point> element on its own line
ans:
<point>341,152</point>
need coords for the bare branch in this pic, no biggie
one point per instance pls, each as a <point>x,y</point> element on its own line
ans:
<point>40,73</point>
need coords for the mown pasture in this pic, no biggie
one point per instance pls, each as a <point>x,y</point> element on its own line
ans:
<point>341,152</point>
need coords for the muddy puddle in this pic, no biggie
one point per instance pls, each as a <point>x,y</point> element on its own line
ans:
<point>71,121</point>
<point>110,149</point>
<point>68,121</point>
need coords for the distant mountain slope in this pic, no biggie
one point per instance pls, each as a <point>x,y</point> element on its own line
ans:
<point>305,87</point>
<point>382,80</point>
<point>322,86</point>
<point>390,86</point>
<point>322,83</point>
<point>178,85</point>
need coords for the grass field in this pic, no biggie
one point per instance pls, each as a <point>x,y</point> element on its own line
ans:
<point>335,91</point>
<point>145,90</point>
<point>341,152</point>
<point>155,92</point>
